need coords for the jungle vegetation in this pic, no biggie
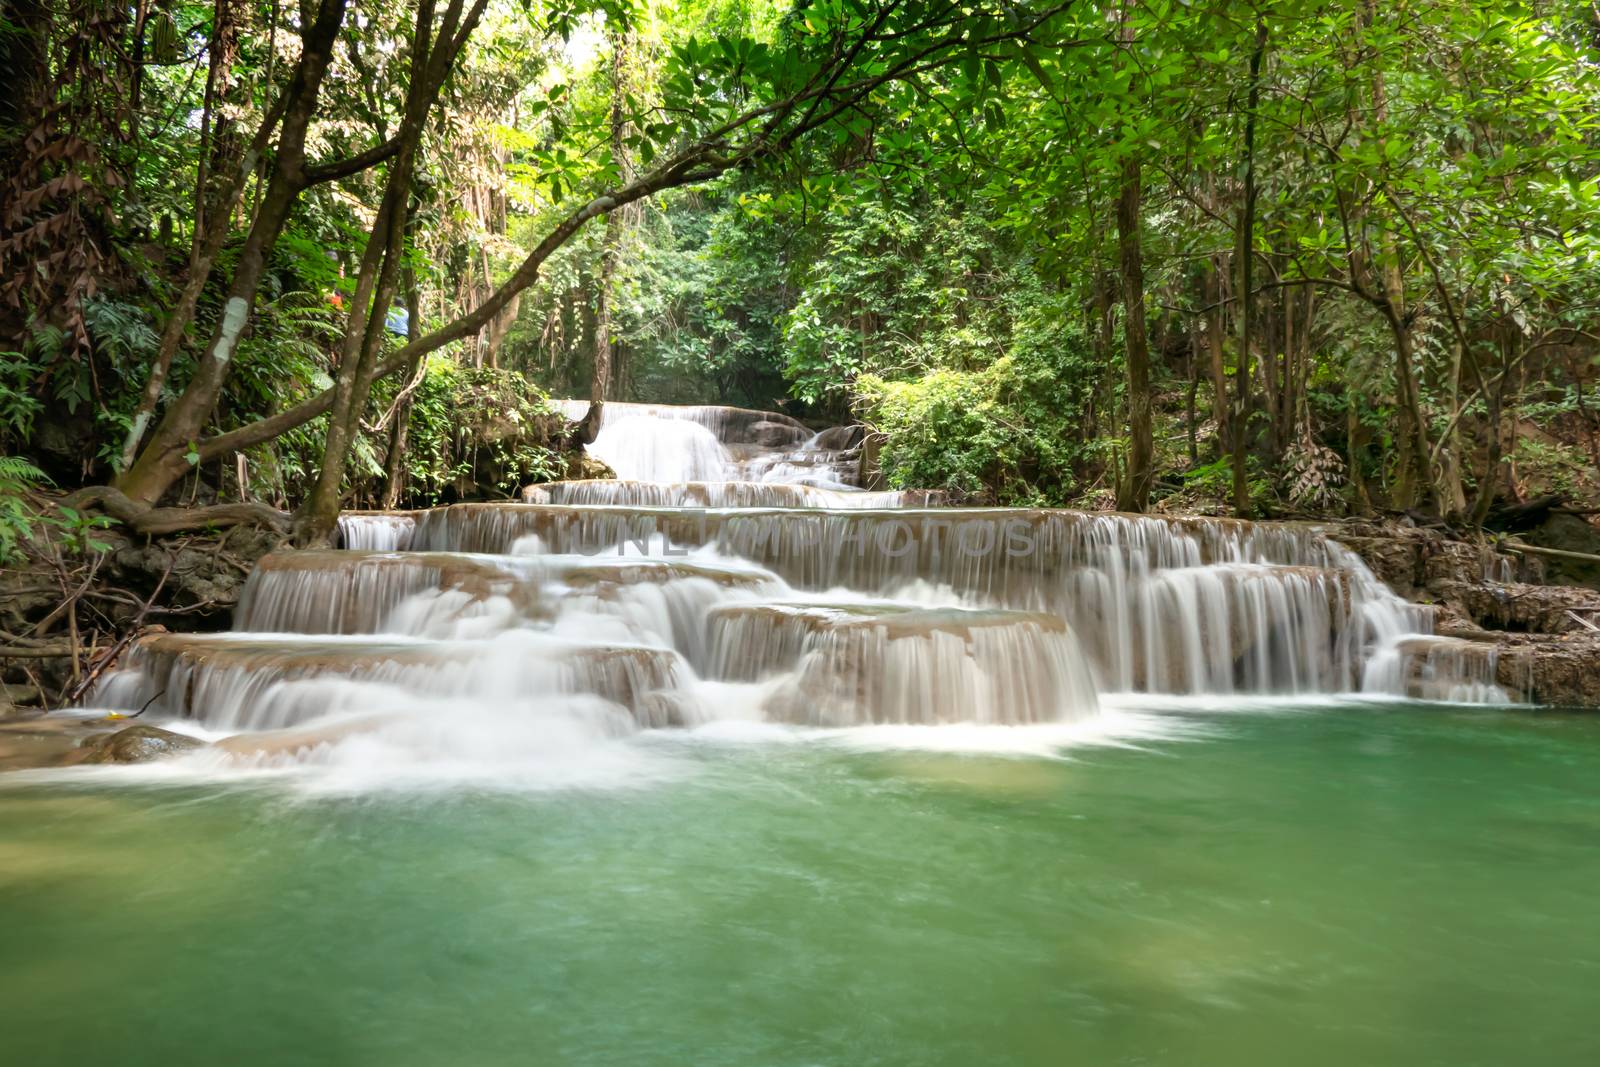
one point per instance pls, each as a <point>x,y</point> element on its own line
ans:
<point>1264,256</point>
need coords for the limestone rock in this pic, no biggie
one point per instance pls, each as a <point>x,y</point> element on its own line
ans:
<point>840,438</point>
<point>1559,670</point>
<point>1544,651</point>
<point>136,744</point>
<point>770,434</point>
<point>1519,607</point>
<point>583,467</point>
<point>1570,533</point>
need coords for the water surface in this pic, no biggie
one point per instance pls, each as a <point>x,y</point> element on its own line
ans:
<point>1352,885</point>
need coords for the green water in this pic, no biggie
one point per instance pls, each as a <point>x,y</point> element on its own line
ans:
<point>1355,887</point>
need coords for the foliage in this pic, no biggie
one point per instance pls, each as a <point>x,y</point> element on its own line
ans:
<point>18,405</point>
<point>478,426</point>
<point>22,521</point>
<point>1004,434</point>
<point>939,256</point>
<point>18,477</point>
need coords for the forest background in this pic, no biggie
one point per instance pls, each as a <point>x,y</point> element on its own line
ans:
<point>1305,257</point>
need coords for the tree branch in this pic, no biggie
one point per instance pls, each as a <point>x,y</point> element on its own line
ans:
<point>344,168</point>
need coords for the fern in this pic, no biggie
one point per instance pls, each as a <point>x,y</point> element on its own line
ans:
<point>17,518</point>
<point>18,405</point>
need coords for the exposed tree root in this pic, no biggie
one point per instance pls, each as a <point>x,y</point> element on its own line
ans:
<point>144,519</point>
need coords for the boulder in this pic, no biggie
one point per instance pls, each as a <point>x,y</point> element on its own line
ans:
<point>840,438</point>
<point>1569,533</point>
<point>581,466</point>
<point>136,744</point>
<point>769,434</point>
<point>1561,670</point>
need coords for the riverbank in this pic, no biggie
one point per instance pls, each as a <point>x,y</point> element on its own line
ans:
<point>1543,638</point>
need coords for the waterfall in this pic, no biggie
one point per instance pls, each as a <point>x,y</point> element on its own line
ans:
<point>1159,605</point>
<point>648,449</point>
<point>263,682</point>
<point>668,602</point>
<point>376,531</point>
<point>665,445</point>
<point>716,495</point>
<point>855,663</point>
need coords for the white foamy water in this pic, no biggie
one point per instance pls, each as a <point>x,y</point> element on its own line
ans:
<point>715,457</point>
<point>645,449</point>
<point>580,641</point>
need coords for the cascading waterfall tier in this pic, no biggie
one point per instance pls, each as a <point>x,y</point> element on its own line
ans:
<point>265,682</point>
<point>839,665</point>
<point>1188,605</point>
<point>713,495</point>
<point>664,444</point>
<point>724,580</point>
<point>376,531</point>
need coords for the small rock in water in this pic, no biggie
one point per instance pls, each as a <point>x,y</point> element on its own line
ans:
<point>136,744</point>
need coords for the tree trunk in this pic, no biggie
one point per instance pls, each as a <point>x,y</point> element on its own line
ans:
<point>377,280</point>
<point>1219,374</point>
<point>319,514</point>
<point>1134,491</point>
<point>499,326</point>
<point>24,65</point>
<point>1494,453</point>
<point>164,460</point>
<point>1192,372</point>
<point>394,478</point>
<point>1413,484</point>
<point>1452,494</point>
<point>601,382</point>
<point>1246,254</point>
<point>607,353</point>
<point>214,202</point>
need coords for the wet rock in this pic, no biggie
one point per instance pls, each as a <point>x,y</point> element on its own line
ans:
<point>1542,647</point>
<point>1559,670</point>
<point>840,438</point>
<point>869,471</point>
<point>748,426</point>
<point>1411,560</point>
<point>583,467</point>
<point>13,696</point>
<point>1569,533</point>
<point>135,744</point>
<point>769,434</point>
<point>31,738</point>
<point>1526,608</point>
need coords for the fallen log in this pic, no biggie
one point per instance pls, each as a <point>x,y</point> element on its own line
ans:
<point>35,651</point>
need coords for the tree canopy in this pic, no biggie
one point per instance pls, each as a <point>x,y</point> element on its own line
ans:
<point>1276,255</point>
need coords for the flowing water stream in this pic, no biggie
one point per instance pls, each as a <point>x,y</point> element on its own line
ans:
<point>744,765</point>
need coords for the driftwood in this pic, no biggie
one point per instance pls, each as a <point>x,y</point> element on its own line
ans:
<point>142,518</point>
<point>1553,553</point>
<point>1583,621</point>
